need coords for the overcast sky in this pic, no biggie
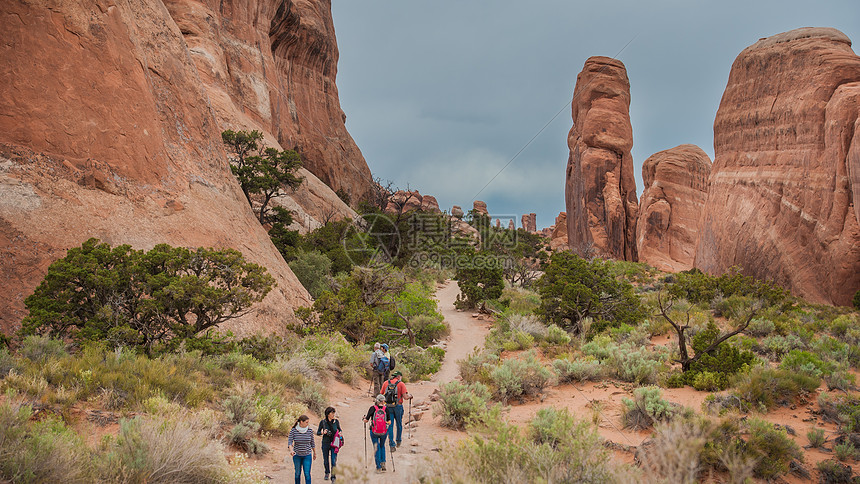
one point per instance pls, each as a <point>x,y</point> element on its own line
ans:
<point>441,94</point>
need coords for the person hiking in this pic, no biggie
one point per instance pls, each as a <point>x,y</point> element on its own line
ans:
<point>300,445</point>
<point>377,368</point>
<point>395,393</point>
<point>330,430</point>
<point>379,416</point>
<point>387,354</point>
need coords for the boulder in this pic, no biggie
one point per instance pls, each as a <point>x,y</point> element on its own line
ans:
<point>676,186</point>
<point>457,212</point>
<point>600,189</point>
<point>782,202</point>
<point>480,207</point>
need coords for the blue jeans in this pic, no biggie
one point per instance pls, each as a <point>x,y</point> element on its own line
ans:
<point>327,451</point>
<point>379,449</point>
<point>303,462</point>
<point>398,417</point>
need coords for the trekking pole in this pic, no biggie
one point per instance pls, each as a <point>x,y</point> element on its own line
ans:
<point>365,445</point>
<point>409,423</point>
<point>393,466</point>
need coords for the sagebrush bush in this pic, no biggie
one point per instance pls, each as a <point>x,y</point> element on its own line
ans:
<point>843,409</point>
<point>240,408</point>
<point>626,361</point>
<point>527,323</point>
<point>760,327</point>
<point>243,436</point>
<point>675,453</point>
<point>774,447</point>
<point>646,408</point>
<point>460,404</point>
<point>816,437</point>
<point>845,451</point>
<point>517,377</point>
<point>806,362</point>
<point>313,396</point>
<point>41,348</point>
<point>476,367</point>
<point>7,362</point>
<point>418,363</point>
<point>768,387</point>
<point>776,346</point>
<point>557,336</point>
<point>583,369</point>
<point>156,450</point>
<point>832,472</point>
<point>276,417</point>
<point>37,452</point>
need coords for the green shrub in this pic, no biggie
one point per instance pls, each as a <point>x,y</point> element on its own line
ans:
<point>7,362</point>
<point>805,362</point>
<point>240,408</point>
<point>774,447</point>
<point>646,408</point>
<point>275,417</point>
<point>243,436</point>
<point>697,287</point>
<point>521,301</point>
<point>832,472</point>
<point>760,327</point>
<point>840,379</point>
<point>429,329</point>
<point>557,336</point>
<point>577,370</point>
<point>856,300</point>
<point>313,396</point>
<point>476,367</point>
<point>417,363</point>
<point>708,381</point>
<point>168,294</point>
<point>517,377</point>
<point>36,452</point>
<point>816,437</point>
<point>845,451</point>
<point>479,279</point>
<point>636,364</point>
<point>573,288</point>
<point>460,404</point>
<point>39,348</point>
<point>262,348</point>
<point>769,387</point>
<point>777,346</point>
<point>525,323</point>
<point>844,409</point>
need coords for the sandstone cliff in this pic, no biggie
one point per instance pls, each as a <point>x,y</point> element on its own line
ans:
<point>111,129</point>
<point>782,202</point>
<point>600,189</point>
<point>676,186</point>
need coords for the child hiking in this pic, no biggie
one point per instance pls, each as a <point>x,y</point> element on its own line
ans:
<point>379,416</point>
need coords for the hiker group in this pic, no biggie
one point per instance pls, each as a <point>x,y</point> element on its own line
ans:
<point>386,413</point>
<point>385,416</point>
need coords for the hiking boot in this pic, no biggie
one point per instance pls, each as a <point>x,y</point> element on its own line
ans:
<point>326,477</point>
<point>379,470</point>
<point>383,467</point>
<point>393,448</point>
<point>400,444</point>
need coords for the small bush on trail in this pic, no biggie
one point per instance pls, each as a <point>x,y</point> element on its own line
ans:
<point>460,404</point>
<point>774,447</point>
<point>518,377</point>
<point>646,408</point>
<point>816,437</point>
<point>578,370</point>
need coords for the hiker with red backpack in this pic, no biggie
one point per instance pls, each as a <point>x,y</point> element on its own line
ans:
<point>395,393</point>
<point>379,416</point>
<point>332,441</point>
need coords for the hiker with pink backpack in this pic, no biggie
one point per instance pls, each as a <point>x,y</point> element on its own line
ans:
<point>380,416</point>
<point>332,441</point>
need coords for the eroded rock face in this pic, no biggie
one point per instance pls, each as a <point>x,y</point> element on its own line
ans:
<point>403,201</point>
<point>271,65</point>
<point>782,200</point>
<point>676,186</point>
<point>600,189</point>
<point>529,222</point>
<point>480,207</point>
<point>558,235</point>
<point>108,132</point>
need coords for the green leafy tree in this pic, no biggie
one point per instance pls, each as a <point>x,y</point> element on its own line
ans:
<point>480,277</point>
<point>573,288</point>
<point>312,269</point>
<point>143,298</point>
<point>263,172</point>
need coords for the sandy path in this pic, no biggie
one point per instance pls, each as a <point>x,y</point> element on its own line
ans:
<point>352,404</point>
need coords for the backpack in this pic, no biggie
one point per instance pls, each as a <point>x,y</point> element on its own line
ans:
<point>391,393</point>
<point>391,363</point>
<point>378,425</point>
<point>383,365</point>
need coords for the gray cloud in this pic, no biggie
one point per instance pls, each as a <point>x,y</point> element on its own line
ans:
<point>441,95</point>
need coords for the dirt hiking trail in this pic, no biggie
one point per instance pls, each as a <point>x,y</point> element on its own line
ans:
<point>467,333</point>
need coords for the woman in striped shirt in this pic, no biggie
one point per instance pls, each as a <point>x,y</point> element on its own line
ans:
<point>301,446</point>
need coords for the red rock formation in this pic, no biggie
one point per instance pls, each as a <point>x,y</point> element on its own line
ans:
<point>480,207</point>
<point>558,236</point>
<point>529,222</point>
<point>512,225</point>
<point>600,190</point>
<point>676,186</point>
<point>782,201</point>
<point>457,212</point>
<point>406,201</point>
<point>271,65</point>
<point>108,131</point>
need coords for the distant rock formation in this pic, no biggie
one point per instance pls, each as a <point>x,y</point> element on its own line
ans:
<point>529,222</point>
<point>783,197</point>
<point>558,235</point>
<point>600,189</point>
<point>480,207</point>
<point>676,186</point>
<point>512,225</point>
<point>457,212</point>
<point>403,201</point>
